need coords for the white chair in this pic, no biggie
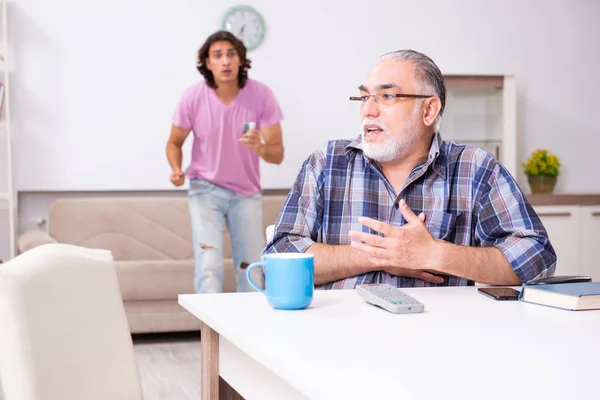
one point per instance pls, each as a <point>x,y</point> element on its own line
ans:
<point>269,232</point>
<point>64,333</point>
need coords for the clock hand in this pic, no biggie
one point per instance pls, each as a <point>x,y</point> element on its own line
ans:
<point>242,30</point>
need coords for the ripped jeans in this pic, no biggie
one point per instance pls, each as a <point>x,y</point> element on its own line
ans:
<point>210,206</point>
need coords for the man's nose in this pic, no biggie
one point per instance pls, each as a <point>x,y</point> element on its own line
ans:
<point>370,108</point>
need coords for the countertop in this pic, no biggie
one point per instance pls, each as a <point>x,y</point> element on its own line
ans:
<point>564,199</point>
<point>557,199</point>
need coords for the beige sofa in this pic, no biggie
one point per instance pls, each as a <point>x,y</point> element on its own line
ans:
<point>150,239</point>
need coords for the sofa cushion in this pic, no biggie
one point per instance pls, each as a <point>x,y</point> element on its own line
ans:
<point>164,279</point>
<point>155,279</point>
<point>137,228</point>
<point>143,228</point>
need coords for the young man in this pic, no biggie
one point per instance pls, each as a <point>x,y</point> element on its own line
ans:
<point>399,205</point>
<point>224,170</point>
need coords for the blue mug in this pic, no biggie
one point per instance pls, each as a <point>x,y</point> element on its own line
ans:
<point>289,280</point>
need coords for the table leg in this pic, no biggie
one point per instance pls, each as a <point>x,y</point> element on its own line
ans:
<point>212,385</point>
<point>226,392</point>
<point>209,382</point>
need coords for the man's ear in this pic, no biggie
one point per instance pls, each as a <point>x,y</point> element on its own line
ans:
<point>432,108</point>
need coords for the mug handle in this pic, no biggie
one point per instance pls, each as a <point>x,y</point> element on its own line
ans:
<point>250,281</point>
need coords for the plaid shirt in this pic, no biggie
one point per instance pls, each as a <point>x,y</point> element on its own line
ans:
<point>467,196</point>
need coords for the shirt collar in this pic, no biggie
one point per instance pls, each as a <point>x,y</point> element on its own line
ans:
<point>436,159</point>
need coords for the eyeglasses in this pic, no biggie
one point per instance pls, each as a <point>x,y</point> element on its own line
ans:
<point>387,98</point>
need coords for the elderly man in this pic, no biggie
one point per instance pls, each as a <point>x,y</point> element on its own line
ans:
<point>399,205</point>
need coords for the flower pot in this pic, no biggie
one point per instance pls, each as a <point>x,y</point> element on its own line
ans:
<point>541,184</point>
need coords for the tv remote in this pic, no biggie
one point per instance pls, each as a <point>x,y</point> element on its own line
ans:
<point>389,298</point>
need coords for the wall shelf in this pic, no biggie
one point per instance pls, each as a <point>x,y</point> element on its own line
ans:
<point>482,110</point>
<point>474,81</point>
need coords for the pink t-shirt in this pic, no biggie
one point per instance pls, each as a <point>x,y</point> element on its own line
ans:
<point>217,154</point>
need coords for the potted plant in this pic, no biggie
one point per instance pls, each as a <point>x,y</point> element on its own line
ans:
<point>542,170</point>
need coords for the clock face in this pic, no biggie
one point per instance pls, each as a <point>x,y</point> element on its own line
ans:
<point>246,24</point>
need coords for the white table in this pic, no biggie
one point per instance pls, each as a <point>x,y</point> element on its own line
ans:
<point>464,346</point>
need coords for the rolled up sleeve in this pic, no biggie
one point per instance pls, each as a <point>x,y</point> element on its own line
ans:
<point>298,225</point>
<point>507,221</point>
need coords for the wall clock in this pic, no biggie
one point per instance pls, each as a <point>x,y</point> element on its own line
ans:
<point>246,24</point>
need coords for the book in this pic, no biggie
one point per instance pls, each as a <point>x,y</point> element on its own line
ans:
<point>568,296</point>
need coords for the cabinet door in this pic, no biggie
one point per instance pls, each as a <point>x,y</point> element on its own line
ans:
<point>563,226</point>
<point>590,242</point>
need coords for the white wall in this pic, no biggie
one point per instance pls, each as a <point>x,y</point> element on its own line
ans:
<point>4,238</point>
<point>95,82</point>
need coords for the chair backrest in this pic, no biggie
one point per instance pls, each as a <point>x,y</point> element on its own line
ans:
<point>64,333</point>
<point>269,232</point>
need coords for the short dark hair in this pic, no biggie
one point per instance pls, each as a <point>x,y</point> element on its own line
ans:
<point>221,36</point>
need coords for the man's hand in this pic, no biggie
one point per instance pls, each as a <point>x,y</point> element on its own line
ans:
<point>253,140</point>
<point>177,177</point>
<point>174,154</point>
<point>407,250</point>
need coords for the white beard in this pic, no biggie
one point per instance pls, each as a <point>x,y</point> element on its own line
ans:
<point>395,146</point>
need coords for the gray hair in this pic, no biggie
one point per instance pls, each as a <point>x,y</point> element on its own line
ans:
<point>427,75</point>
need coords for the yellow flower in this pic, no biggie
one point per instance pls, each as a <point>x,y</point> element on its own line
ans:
<point>541,162</point>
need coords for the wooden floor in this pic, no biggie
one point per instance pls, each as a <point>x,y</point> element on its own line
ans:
<point>169,366</point>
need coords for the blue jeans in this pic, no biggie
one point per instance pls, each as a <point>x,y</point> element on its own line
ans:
<point>210,206</point>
